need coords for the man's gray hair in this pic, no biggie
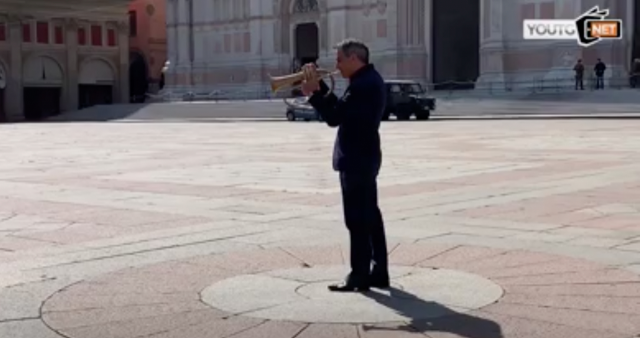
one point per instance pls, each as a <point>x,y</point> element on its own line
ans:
<point>354,47</point>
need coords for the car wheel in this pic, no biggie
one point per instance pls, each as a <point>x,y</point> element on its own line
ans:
<point>403,115</point>
<point>291,116</point>
<point>423,116</point>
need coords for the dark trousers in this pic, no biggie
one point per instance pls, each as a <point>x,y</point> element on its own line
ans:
<point>363,219</point>
<point>599,82</point>
<point>579,83</point>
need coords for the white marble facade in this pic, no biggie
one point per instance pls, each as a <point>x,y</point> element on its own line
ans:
<point>233,45</point>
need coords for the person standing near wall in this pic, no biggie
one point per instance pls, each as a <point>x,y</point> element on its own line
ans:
<point>579,69</point>
<point>599,69</point>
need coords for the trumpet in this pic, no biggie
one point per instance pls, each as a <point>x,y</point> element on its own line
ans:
<point>296,79</point>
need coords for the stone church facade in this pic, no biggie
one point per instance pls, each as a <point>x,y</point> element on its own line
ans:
<point>234,45</point>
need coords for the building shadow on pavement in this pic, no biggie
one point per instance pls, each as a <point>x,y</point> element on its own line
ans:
<point>428,316</point>
<point>100,113</point>
<point>174,112</point>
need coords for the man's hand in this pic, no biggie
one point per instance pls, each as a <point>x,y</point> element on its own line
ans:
<point>311,81</point>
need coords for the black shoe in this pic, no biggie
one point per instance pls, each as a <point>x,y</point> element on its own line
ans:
<point>349,287</point>
<point>379,280</point>
<point>351,284</point>
<point>380,284</point>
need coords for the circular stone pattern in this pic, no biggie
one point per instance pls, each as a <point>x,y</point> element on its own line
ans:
<point>438,291</point>
<point>301,294</point>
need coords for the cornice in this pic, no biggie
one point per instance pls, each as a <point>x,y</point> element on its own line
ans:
<point>46,9</point>
<point>68,4</point>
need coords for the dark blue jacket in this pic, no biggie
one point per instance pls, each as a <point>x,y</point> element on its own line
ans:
<point>600,68</point>
<point>357,115</point>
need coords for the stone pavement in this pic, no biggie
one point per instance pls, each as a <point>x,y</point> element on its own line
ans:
<point>514,229</point>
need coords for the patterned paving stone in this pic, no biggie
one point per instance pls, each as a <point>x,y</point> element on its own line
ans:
<point>207,296</point>
<point>132,221</point>
<point>301,295</point>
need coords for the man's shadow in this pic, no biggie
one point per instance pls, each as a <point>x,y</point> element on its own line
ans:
<point>427,316</point>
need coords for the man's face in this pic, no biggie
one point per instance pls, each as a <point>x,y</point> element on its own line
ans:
<point>345,64</point>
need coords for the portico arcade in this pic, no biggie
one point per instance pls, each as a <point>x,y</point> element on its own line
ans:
<point>54,63</point>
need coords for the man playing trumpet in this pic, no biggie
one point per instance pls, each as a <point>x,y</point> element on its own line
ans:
<point>357,157</point>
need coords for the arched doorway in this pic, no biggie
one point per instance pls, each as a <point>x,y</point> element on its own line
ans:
<point>138,78</point>
<point>3,85</point>
<point>307,43</point>
<point>95,83</point>
<point>635,48</point>
<point>42,88</point>
<point>307,47</point>
<point>455,43</point>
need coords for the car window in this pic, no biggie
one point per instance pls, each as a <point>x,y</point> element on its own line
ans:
<point>394,88</point>
<point>413,88</point>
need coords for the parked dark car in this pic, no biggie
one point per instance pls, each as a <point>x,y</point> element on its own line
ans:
<point>406,98</point>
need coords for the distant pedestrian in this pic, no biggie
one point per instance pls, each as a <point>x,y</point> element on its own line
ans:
<point>599,69</point>
<point>579,69</point>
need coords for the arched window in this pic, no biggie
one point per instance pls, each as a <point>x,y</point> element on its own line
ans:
<point>305,6</point>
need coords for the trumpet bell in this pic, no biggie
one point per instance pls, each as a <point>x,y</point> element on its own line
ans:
<point>279,82</point>
<point>293,80</point>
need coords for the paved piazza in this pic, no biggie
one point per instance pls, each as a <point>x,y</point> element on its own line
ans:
<point>497,229</point>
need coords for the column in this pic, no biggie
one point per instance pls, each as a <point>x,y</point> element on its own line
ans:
<point>280,36</point>
<point>563,54</point>
<point>263,30</point>
<point>198,36</point>
<point>401,19</point>
<point>71,39</point>
<point>184,55</point>
<point>338,29</point>
<point>418,50</point>
<point>197,11</point>
<point>492,46</point>
<point>172,45</point>
<point>123,46</point>
<point>415,22</point>
<point>616,54</point>
<point>325,47</point>
<point>13,92</point>
<point>427,36</point>
<point>185,43</point>
<point>389,62</point>
<point>405,22</point>
<point>628,25</point>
